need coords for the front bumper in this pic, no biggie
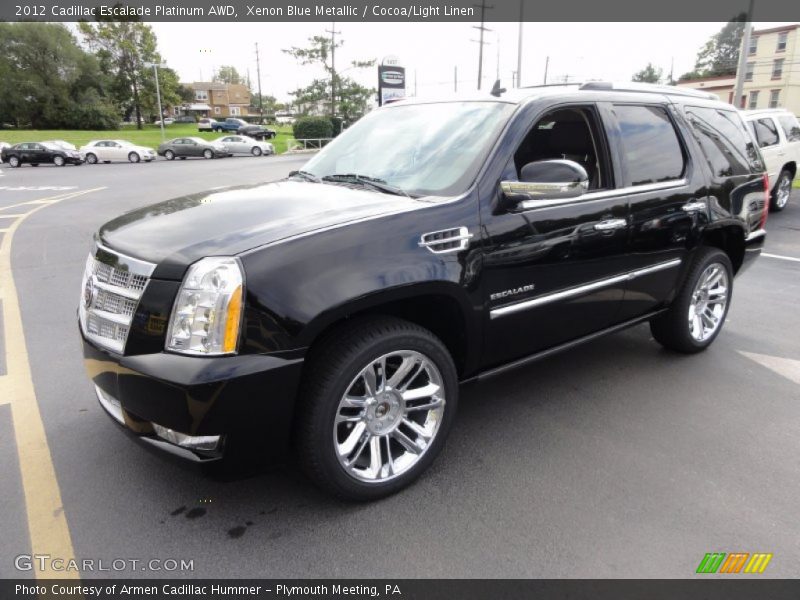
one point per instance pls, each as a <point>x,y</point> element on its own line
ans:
<point>753,244</point>
<point>168,399</point>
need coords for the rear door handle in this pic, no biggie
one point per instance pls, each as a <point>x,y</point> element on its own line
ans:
<point>611,225</point>
<point>694,206</point>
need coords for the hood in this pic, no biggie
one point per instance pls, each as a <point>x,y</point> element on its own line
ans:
<point>176,233</point>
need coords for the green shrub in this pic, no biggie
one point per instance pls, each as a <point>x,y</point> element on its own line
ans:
<point>337,125</point>
<point>306,128</point>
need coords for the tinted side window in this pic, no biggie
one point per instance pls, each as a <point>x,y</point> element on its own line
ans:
<point>652,150</point>
<point>725,142</point>
<point>791,127</point>
<point>766,132</point>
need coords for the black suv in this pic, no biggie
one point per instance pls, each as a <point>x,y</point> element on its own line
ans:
<point>336,312</point>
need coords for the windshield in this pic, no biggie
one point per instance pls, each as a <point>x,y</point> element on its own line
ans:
<point>423,149</point>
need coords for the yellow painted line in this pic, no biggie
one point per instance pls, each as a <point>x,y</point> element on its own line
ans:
<point>11,216</point>
<point>47,521</point>
<point>62,196</point>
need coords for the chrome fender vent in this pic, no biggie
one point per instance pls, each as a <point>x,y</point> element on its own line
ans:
<point>446,240</point>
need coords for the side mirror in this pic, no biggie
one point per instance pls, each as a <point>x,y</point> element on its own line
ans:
<point>555,179</point>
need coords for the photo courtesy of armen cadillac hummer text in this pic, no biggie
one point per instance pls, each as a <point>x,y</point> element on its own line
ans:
<point>333,315</point>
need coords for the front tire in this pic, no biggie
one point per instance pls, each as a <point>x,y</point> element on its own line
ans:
<point>256,151</point>
<point>134,157</point>
<point>376,407</point>
<point>59,161</point>
<point>782,191</point>
<point>13,162</point>
<point>699,310</point>
<point>91,158</point>
<point>169,155</point>
<point>208,154</point>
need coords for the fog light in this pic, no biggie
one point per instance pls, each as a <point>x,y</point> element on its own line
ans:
<point>203,443</point>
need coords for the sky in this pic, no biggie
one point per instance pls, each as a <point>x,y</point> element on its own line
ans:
<point>434,52</point>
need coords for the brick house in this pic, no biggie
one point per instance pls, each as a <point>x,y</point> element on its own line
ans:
<point>217,100</point>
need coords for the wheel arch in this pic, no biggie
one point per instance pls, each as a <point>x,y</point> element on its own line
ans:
<point>443,309</point>
<point>730,238</point>
<point>790,166</point>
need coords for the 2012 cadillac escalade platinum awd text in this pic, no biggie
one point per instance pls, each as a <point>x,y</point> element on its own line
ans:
<point>336,312</point>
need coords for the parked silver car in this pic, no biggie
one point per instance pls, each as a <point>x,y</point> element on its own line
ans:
<point>241,144</point>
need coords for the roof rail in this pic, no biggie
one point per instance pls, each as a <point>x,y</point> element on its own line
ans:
<point>634,86</point>
<point>547,85</point>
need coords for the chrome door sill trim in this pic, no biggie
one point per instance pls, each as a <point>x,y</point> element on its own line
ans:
<point>580,290</point>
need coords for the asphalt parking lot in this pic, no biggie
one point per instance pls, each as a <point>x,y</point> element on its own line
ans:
<point>617,459</point>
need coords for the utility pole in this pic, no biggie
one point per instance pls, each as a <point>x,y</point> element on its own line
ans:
<point>497,70</point>
<point>158,96</point>
<point>260,97</point>
<point>333,33</point>
<point>455,78</point>
<point>519,48</point>
<point>415,83</point>
<point>480,42</point>
<point>546,65</point>
<point>737,95</point>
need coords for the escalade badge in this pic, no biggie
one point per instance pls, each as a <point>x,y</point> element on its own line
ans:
<point>512,292</point>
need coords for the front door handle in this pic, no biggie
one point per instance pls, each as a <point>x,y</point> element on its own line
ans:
<point>611,225</point>
<point>694,206</point>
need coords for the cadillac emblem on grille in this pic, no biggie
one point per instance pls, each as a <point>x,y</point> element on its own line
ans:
<point>88,292</point>
<point>112,286</point>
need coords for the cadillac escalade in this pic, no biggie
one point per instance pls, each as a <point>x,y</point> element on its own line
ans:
<point>334,313</point>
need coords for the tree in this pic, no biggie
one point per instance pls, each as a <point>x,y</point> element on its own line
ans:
<point>342,93</point>
<point>49,81</point>
<point>228,74</point>
<point>124,47</point>
<point>650,74</point>
<point>720,55</point>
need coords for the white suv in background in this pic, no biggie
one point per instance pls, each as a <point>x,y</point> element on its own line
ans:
<point>777,133</point>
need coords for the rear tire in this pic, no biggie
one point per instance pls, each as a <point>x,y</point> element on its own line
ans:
<point>781,192</point>
<point>91,158</point>
<point>358,444</point>
<point>698,312</point>
<point>169,155</point>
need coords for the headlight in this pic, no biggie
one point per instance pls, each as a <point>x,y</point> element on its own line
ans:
<point>208,310</point>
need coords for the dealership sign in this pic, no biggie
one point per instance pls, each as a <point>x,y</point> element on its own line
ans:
<point>391,80</point>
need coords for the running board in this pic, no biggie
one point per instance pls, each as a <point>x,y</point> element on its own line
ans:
<point>521,362</point>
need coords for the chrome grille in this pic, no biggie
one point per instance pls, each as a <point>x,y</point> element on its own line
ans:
<point>112,286</point>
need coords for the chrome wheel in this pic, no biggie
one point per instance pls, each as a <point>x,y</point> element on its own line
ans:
<point>389,416</point>
<point>708,303</point>
<point>783,192</point>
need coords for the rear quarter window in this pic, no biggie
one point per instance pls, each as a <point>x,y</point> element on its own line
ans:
<point>726,143</point>
<point>653,152</point>
<point>790,127</point>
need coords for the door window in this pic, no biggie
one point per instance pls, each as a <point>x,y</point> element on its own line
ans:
<point>650,144</point>
<point>568,133</point>
<point>766,132</point>
<point>726,144</point>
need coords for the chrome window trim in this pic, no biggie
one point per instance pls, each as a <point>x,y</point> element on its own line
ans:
<point>603,194</point>
<point>580,290</point>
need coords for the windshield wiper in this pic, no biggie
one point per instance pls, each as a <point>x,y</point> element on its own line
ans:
<point>366,180</point>
<point>305,175</point>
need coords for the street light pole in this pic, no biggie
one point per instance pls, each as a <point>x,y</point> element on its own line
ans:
<point>158,97</point>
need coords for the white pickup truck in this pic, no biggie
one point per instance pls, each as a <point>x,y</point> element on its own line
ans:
<point>777,132</point>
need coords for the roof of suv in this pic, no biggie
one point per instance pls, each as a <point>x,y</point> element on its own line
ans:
<point>765,111</point>
<point>524,94</point>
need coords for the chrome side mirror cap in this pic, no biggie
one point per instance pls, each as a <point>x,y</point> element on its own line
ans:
<point>557,179</point>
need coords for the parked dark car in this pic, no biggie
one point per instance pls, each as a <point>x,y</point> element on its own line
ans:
<point>431,244</point>
<point>242,127</point>
<point>186,147</point>
<point>37,153</point>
